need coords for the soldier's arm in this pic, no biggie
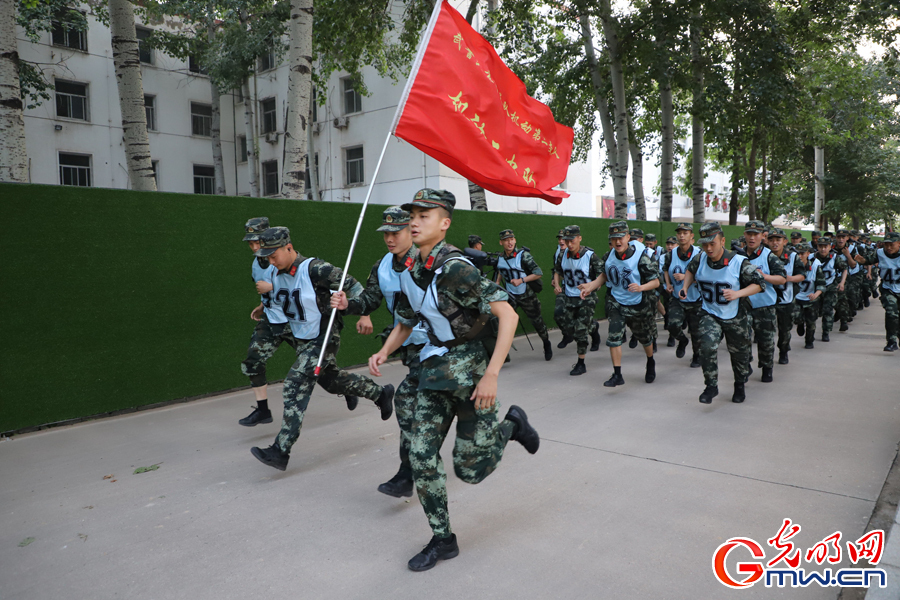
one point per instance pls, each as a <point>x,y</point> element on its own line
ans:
<point>326,276</point>
<point>689,272</point>
<point>798,275</point>
<point>531,267</point>
<point>752,282</point>
<point>777,275</point>
<point>600,269</point>
<point>649,275</point>
<point>820,280</point>
<point>598,265</point>
<point>845,251</point>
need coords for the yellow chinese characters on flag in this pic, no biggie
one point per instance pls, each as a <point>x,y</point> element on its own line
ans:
<point>468,110</point>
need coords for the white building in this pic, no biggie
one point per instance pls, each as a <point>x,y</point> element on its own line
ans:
<point>76,138</point>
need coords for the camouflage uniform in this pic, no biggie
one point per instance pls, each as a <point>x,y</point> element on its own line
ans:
<point>264,341</point>
<point>405,397</point>
<point>529,302</point>
<point>832,300</point>
<point>446,384</point>
<point>890,300</point>
<point>681,311</point>
<point>785,312</point>
<point>639,317</point>
<point>850,300</point>
<point>763,320</point>
<point>576,316</point>
<point>810,311</point>
<point>300,380</point>
<point>735,330</point>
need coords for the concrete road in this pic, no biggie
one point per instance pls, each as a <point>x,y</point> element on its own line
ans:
<point>629,496</point>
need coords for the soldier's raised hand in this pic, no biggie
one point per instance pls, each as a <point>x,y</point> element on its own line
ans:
<point>339,300</point>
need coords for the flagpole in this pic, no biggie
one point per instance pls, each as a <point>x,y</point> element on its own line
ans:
<point>362,213</point>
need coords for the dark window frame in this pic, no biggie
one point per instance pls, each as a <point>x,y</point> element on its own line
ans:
<point>71,100</point>
<point>80,174</point>
<point>68,37</point>
<point>354,167</point>
<point>146,55</point>
<point>269,174</point>
<point>205,181</point>
<point>352,98</point>
<point>150,111</point>
<point>201,124</point>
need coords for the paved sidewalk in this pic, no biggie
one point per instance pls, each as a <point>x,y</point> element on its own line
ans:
<point>629,496</point>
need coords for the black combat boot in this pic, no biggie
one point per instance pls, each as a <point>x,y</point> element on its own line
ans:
<point>398,486</point>
<point>739,395</point>
<point>767,375</point>
<point>386,402</point>
<point>709,393</point>
<point>272,456</point>
<point>809,344</point>
<point>352,402</point>
<point>892,347</point>
<point>825,337</point>
<point>615,380</point>
<point>548,350</point>
<point>567,339</point>
<point>801,328</point>
<point>633,342</point>
<point>578,368</point>
<point>437,549</point>
<point>524,433</point>
<point>256,417</point>
<point>695,361</point>
<point>783,357</point>
<point>682,346</point>
<point>595,338</point>
<point>651,370</point>
<point>655,349</point>
<point>844,326</point>
<point>670,343</point>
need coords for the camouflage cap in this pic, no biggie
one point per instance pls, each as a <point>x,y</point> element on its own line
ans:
<point>635,232</point>
<point>474,239</point>
<point>671,240</point>
<point>816,232</point>
<point>684,227</point>
<point>272,239</point>
<point>618,229</point>
<point>506,234</point>
<point>754,227</point>
<point>394,218</point>
<point>561,233</point>
<point>429,198</point>
<point>571,232</point>
<point>855,232</point>
<point>775,232</point>
<point>803,247</point>
<point>709,231</point>
<point>824,241</point>
<point>843,233</point>
<point>254,227</point>
<point>891,236</point>
<point>796,235</point>
<point>650,237</point>
<point>827,234</point>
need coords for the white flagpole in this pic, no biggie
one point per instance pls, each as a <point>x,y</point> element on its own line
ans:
<point>409,82</point>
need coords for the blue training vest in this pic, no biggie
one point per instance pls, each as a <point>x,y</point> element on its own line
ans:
<point>511,268</point>
<point>576,271</point>
<point>787,290</point>
<point>828,268</point>
<point>890,271</point>
<point>713,282</point>
<point>389,282</point>
<point>808,285</point>
<point>272,309</point>
<point>622,273</point>
<point>769,296</point>
<point>680,266</point>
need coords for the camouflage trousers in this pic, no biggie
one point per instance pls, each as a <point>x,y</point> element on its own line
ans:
<point>833,302</point>
<point>681,312</point>
<point>784,315</point>
<point>531,306</point>
<point>300,381</point>
<point>266,339</point>
<point>809,314</point>
<point>891,303</point>
<point>765,325</point>
<point>405,403</point>
<point>635,317</point>
<point>575,318</point>
<point>854,290</point>
<point>480,441</point>
<point>737,339</point>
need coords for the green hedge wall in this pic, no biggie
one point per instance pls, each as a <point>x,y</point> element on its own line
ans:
<point>115,299</point>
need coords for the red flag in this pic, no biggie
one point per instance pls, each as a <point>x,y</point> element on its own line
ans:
<point>469,111</point>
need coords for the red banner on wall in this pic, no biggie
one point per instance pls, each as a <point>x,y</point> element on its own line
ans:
<point>469,111</point>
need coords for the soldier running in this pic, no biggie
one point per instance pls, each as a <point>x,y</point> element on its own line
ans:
<point>889,266</point>
<point>683,310</point>
<point>763,315</point>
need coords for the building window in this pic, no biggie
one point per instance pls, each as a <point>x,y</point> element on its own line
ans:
<point>154,164</point>
<point>144,50</point>
<point>150,109</point>
<point>352,98</point>
<point>75,169</point>
<point>307,176</point>
<point>194,66</point>
<point>242,140</point>
<point>71,100</point>
<point>201,119</point>
<point>267,60</point>
<point>270,177</point>
<point>63,34</point>
<point>270,119</point>
<point>315,107</point>
<point>353,160</point>
<point>204,179</point>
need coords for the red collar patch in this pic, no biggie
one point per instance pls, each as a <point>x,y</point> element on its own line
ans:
<point>726,262</point>
<point>430,262</point>
<point>293,270</point>
<point>409,263</point>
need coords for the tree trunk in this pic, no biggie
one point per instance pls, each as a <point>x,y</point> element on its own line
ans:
<point>697,189</point>
<point>131,95</point>
<point>13,153</point>
<point>299,94</point>
<point>609,137</point>
<point>667,166</point>
<point>477,196</point>
<point>735,187</point>
<point>215,129</point>
<point>250,134</point>
<point>751,178</point>
<point>637,177</point>
<point>617,78</point>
